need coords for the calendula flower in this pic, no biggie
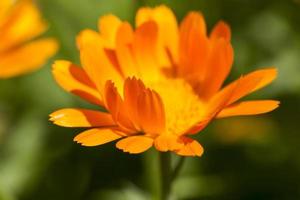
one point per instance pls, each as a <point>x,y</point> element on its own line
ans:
<point>20,23</point>
<point>160,83</point>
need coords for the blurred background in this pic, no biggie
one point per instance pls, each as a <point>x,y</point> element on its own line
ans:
<point>245,158</point>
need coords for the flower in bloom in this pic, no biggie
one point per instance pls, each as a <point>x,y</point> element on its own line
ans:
<point>20,23</point>
<point>160,83</point>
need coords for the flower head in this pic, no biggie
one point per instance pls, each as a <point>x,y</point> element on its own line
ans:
<point>160,83</point>
<point>20,23</point>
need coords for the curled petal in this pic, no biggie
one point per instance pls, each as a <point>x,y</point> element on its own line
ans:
<point>115,104</point>
<point>132,90</point>
<point>151,112</point>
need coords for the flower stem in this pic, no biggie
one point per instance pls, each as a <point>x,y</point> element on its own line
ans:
<point>177,168</point>
<point>165,175</point>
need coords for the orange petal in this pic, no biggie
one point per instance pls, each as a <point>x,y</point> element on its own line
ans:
<point>96,136</point>
<point>4,7</point>
<point>221,99</point>
<point>167,142</point>
<point>214,106</point>
<point>71,117</point>
<point>248,108</point>
<point>132,90</point>
<point>221,30</point>
<point>74,79</point>
<point>193,46</point>
<point>217,68</point>
<point>190,148</point>
<point>167,24</point>
<point>144,49</point>
<point>251,82</point>
<point>117,108</point>
<point>112,99</point>
<point>96,61</point>
<point>124,38</point>
<point>235,91</point>
<point>151,112</point>
<point>15,29</point>
<point>26,58</point>
<point>135,144</point>
<point>108,26</point>
<point>199,126</point>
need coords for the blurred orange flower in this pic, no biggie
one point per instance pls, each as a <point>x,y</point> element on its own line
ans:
<point>20,23</point>
<point>159,83</point>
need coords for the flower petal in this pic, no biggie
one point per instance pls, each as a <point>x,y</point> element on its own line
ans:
<point>193,47</point>
<point>117,108</point>
<point>233,92</point>
<point>151,112</point>
<point>141,110</point>
<point>132,90</point>
<point>26,58</point>
<point>96,61</point>
<point>72,117</point>
<point>96,136</point>
<point>214,106</point>
<point>74,79</point>
<point>4,7</point>
<point>124,38</point>
<point>221,30</point>
<point>144,49</point>
<point>199,126</point>
<point>190,148</point>
<point>251,82</point>
<point>167,142</point>
<point>218,66</point>
<point>249,108</point>
<point>167,24</point>
<point>15,30</point>
<point>135,144</point>
<point>108,26</point>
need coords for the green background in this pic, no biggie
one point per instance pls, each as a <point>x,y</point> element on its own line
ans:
<point>245,158</point>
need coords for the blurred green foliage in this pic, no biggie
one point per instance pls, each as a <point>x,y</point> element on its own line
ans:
<point>245,158</point>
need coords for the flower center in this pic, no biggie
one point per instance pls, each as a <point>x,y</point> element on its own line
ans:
<point>183,108</point>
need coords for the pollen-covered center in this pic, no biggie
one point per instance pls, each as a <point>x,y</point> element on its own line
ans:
<point>183,108</point>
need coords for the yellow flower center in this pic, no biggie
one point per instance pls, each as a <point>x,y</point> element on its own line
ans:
<point>183,108</point>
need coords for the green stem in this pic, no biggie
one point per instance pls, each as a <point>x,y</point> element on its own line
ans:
<point>177,168</point>
<point>165,175</point>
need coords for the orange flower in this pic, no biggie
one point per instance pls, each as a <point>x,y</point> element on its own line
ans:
<point>159,83</point>
<point>20,23</point>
